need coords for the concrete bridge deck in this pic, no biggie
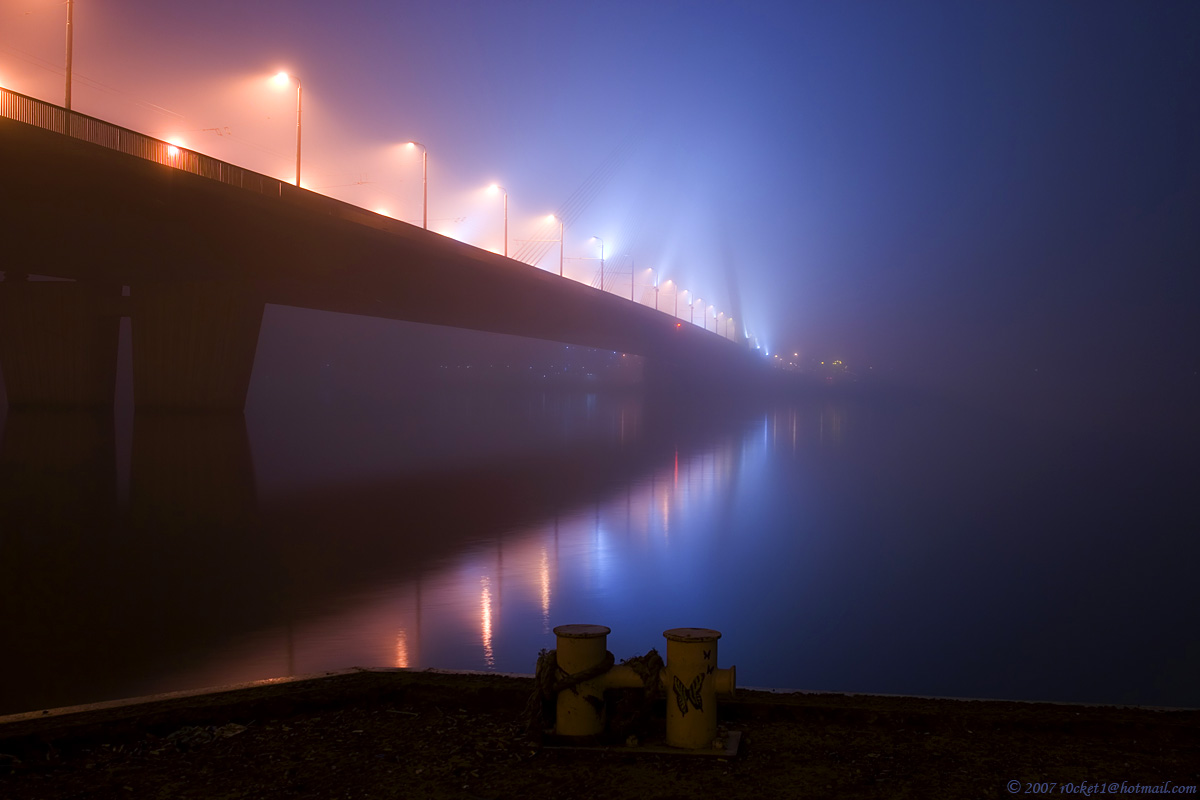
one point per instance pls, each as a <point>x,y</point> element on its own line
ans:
<point>201,254</point>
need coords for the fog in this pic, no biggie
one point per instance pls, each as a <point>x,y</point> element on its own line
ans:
<point>993,201</point>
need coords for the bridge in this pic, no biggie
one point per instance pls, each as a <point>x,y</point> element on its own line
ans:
<point>191,249</point>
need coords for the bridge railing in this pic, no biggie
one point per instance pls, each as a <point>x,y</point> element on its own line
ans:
<point>48,116</point>
<point>32,111</point>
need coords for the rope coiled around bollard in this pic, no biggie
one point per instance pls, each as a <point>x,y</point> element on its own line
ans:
<point>550,679</point>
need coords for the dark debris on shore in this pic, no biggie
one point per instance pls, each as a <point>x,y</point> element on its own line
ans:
<point>408,734</point>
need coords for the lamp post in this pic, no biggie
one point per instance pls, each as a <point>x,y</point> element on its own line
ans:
<point>70,33</point>
<point>710,308</point>
<point>652,269</point>
<point>495,187</point>
<point>562,226</point>
<point>282,79</point>
<point>424,183</point>
<point>601,241</point>
<point>693,314</point>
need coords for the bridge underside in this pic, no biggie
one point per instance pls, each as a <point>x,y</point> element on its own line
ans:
<point>193,343</point>
<point>201,258</point>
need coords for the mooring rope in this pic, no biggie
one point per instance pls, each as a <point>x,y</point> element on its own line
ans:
<point>550,679</point>
<point>648,667</point>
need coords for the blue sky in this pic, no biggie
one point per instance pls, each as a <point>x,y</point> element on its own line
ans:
<point>955,192</point>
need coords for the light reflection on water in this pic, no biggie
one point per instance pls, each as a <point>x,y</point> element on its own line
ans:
<point>838,546</point>
<point>492,606</point>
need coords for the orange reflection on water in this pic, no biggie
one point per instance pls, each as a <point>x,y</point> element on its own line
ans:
<point>485,622</point>
<point>588,554</point>
<point>402,649</point>
<point>666,511</point>
<point>544,575</point>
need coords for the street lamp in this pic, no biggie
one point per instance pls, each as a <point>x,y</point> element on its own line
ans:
<point>693,314</point>
<point>601,241</point>
<point>676,312</point>
<point>70,33</point>
<point>562,226</point>
<point>424,183</point>
<point>710,308</point>
<point>495,187</point>
<point>283,79</point>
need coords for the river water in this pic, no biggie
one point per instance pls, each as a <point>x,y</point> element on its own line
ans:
<point>879,545</point>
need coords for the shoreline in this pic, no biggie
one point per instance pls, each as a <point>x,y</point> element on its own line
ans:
<point>199,693</point>
<point>404,733</point>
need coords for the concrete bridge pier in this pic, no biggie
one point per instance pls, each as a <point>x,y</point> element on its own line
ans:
<point>194,344</point>
<point>58,342</point>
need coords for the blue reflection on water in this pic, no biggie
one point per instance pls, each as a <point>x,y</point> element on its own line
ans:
<point>863,547</point>
<point>858,550</point>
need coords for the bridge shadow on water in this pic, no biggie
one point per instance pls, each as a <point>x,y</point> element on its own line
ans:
<point>109,590</point>
<point>911,547</point>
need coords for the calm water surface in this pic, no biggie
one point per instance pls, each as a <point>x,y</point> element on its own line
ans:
<point>883,546</point>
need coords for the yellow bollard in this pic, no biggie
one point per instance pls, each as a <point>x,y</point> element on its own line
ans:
<point>580,709</point>
<point>693,682</point>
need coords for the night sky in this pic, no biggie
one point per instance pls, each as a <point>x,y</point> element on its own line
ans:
<point>989,198</point>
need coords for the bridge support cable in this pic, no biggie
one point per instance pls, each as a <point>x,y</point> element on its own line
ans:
<point>535,249</point>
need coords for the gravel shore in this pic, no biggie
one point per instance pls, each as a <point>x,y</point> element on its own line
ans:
<point>409,734</point>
